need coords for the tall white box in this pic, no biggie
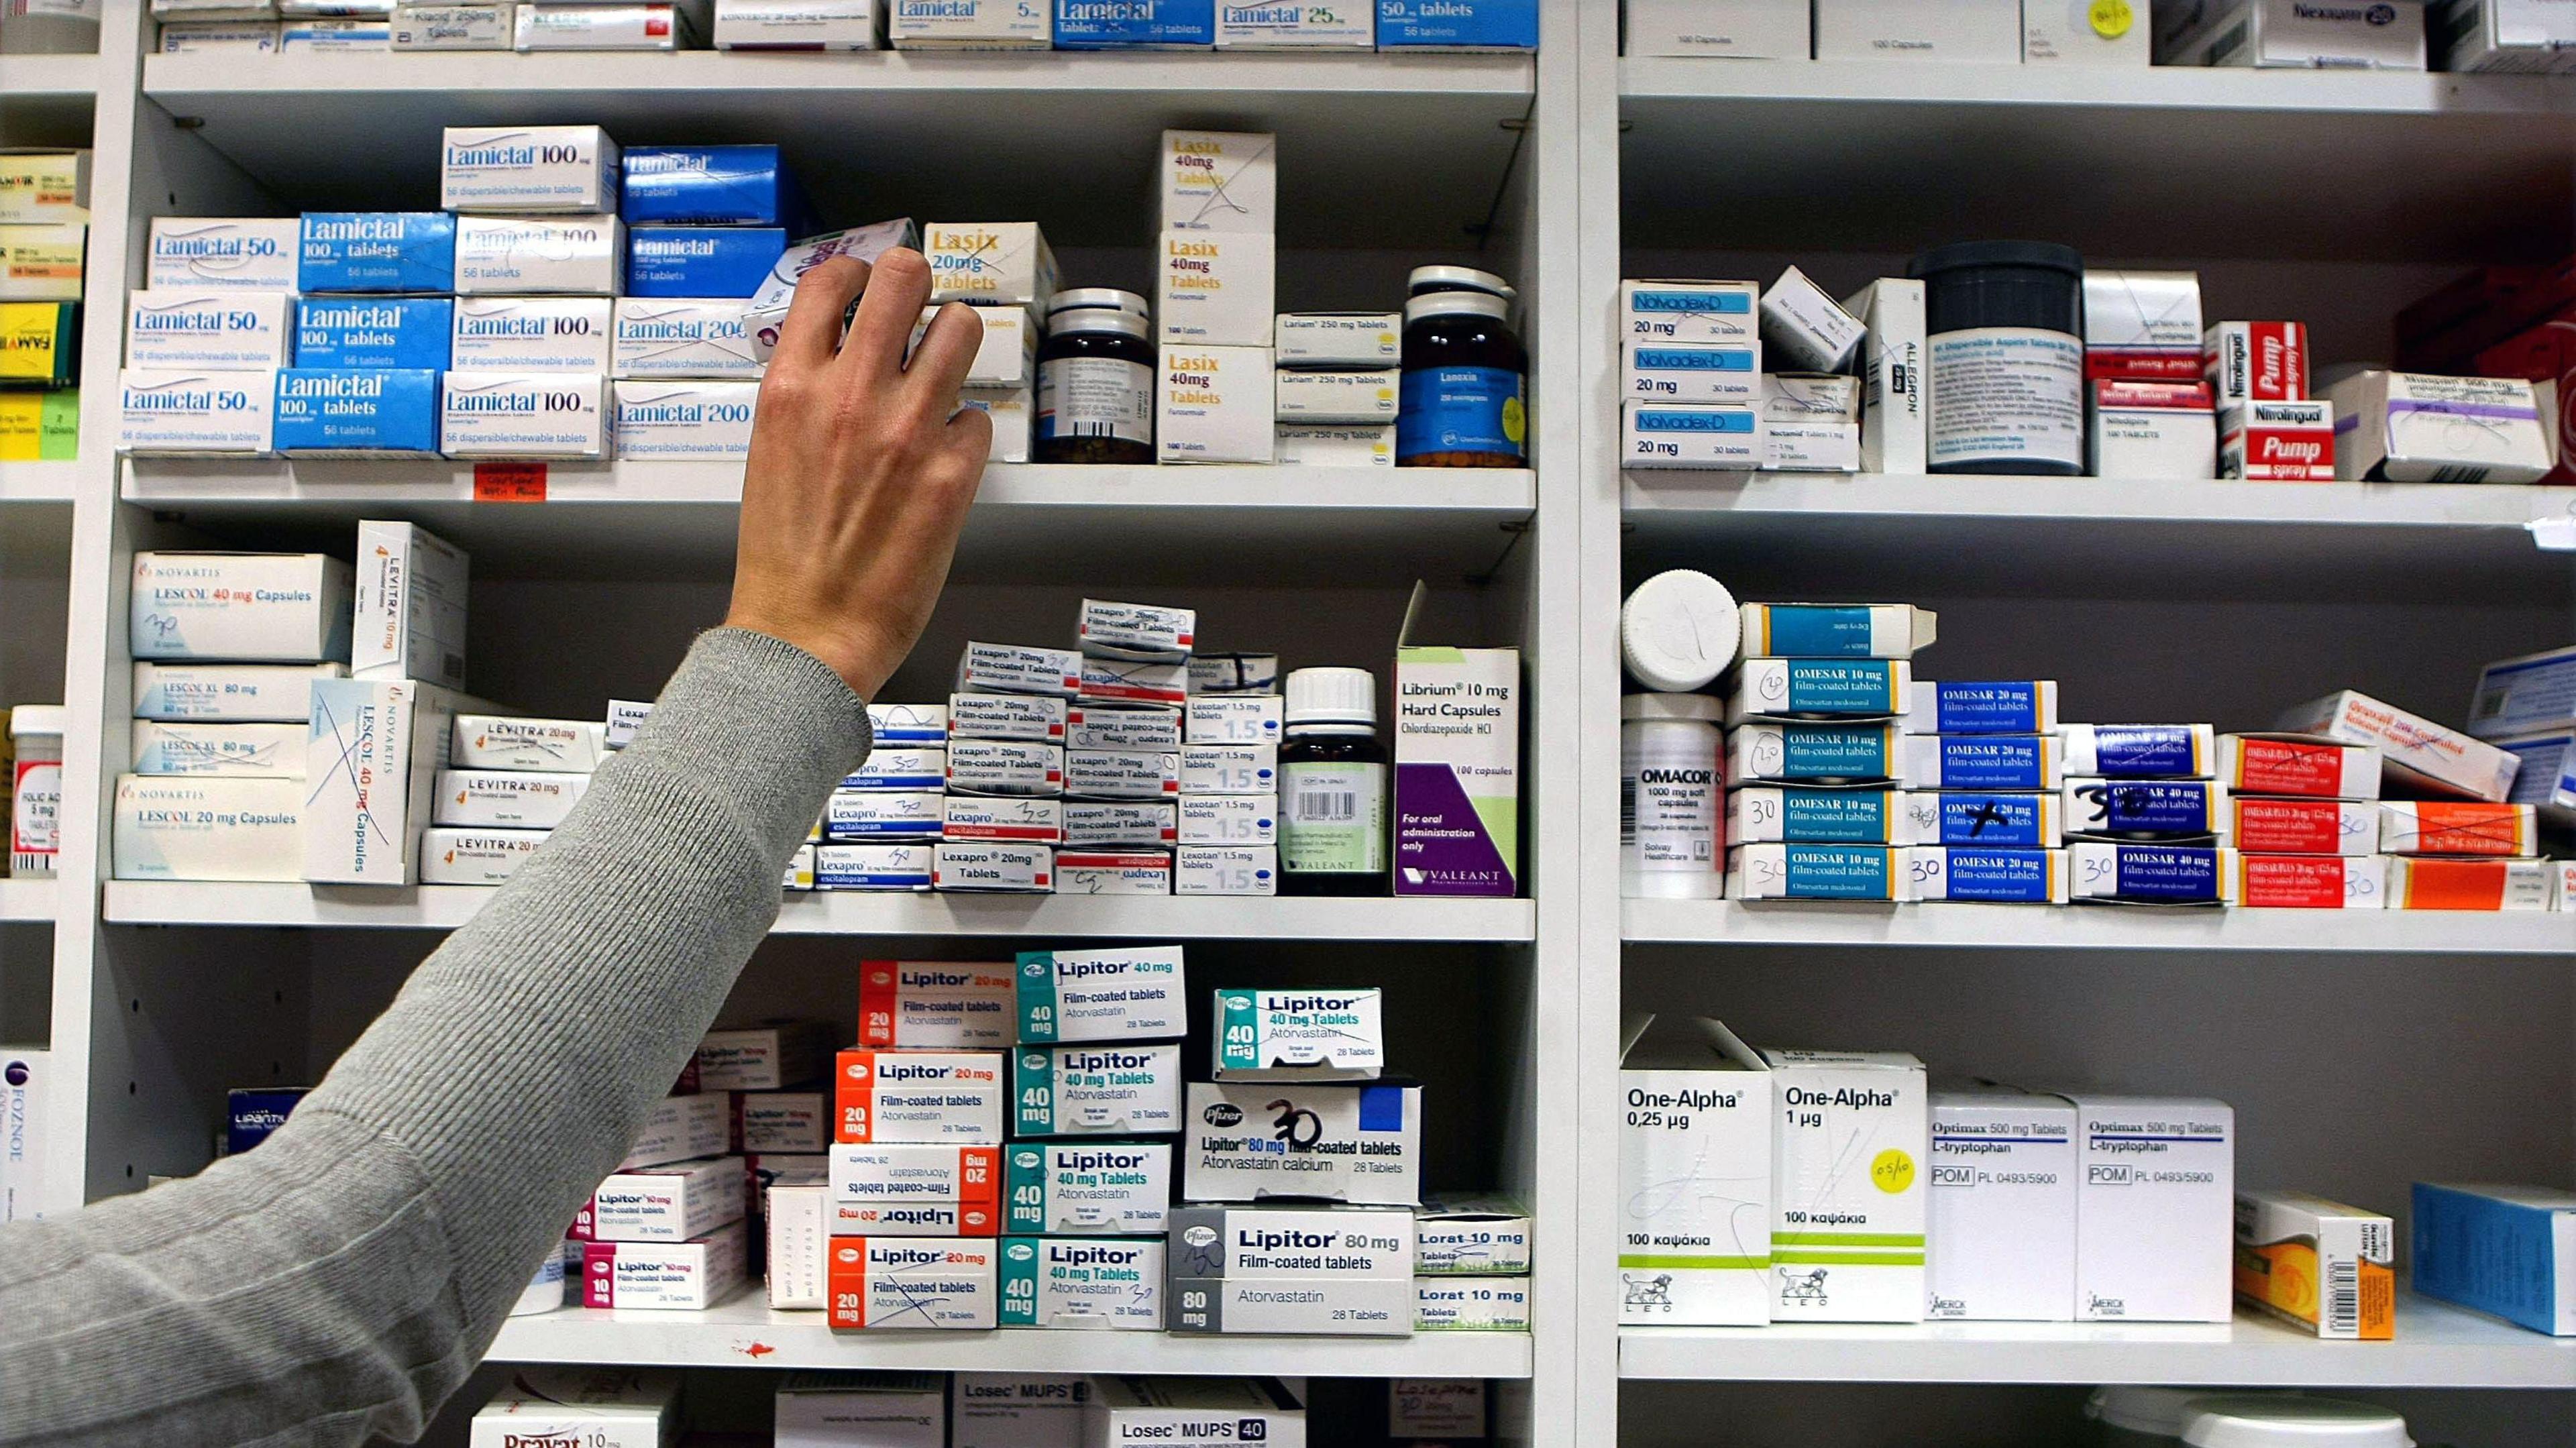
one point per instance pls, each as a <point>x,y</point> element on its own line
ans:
<point>2155,1209</point>
<point>2001,1214</point>
<point>1215,406</point>
<point>1847,1207</point>
<point>26,1076</point>
<point>528,168</point>
<point>1743,29</point>
<point>2086,32</point>
<point>1892,375</point>
<point>372,755</point>
<point>410,606</point>
<point>1017,1410</point>
<point>240,607</point>
<point>1216,288</point>
<point>1694,1178</point>
<point>1219,181</point>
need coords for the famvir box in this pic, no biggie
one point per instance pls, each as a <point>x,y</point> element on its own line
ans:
<point>372,755</point>
<point>2001,1214</point>
<point>406,332</point>
<point>377,251</point>
<point>2505,1250</point>
<point>1847,1209</point>
<point>1358,1142</point>
<point>861,1410</point>
<point>221,331</point>
<point>2154,1209</point>
<point>595,1407</point>
<point>263,607</point>
<point>1694,1215</point>
<point>230,253</point>
<point>531,334</point>
<point>186,412</point>
<point>682,337</point>
<point>907,1096</point>
<point>1102,995</point>
<point>1017,1410</point>
<point>1099,1283</point>
<point>1457,770</point>
<point>229,693</point>
<point>381,413</point>
<point>1107,1187</point>
<point>673,1203</point>
<point>1287,1035</point>
<point>527,168</point>
<point>937,1005</point>
<point>1194,1412</point>
<point>1117,1090</point>
<point>2321,1265</point>
<point>913,1282</point>
<point>1343,1271</point>
<point>410,609</point>
<point>2413,750</point>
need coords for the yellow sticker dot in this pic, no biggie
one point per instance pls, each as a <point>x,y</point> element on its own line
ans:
<point>1515,420</point>
<point>1892,1171</point>
<point>2112,18</point>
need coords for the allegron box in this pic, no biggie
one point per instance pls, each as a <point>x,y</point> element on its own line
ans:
<point>918,1096</point>
<point>2154,1209</point>
<point>1359,1143</point>
<point>1090,1090</point>
<point>1847,1165</point>
<point>2001,1212</point>
<point>1099,1283</point>
<point>1102,995</point>
<point>1109,1187</point>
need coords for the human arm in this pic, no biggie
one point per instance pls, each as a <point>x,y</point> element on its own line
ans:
<point>341,1280</point>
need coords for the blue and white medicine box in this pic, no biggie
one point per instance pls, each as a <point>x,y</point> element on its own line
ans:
<point>377,251</point>
<point>1987,876</point>
<point>707,186</point>
<point>2153,874</point>
<point>1729,372</point>
<point>252,1116</point>
<point>2009,762</point>
<point>367,412</point>
<point>2145,808</point>
<point>701,261</point>
<point>1457,24</point>
<point>2141,751</point>
<point>2505,1250</point>
<point>1767,814</point>
<point>1817,872</point>
<point>2020,706</point>
<point>346,332</point>
<point>1977,819</point>
<point>1135,24</point>
<point>2547,778</point>
<point>2526,694</point>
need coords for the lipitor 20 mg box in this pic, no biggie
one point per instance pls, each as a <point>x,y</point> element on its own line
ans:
<point>918,1096</point>
<point>937,1005</point>
<point>913,1282</point>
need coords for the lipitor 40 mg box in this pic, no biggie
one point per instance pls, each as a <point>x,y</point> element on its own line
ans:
<point>1085,1090</point>
<point>1282,1035</point>
<point>1082,1282</point>
<point>1848,1207</point>
<point>1102,995</point>
<point>1108,1187</point>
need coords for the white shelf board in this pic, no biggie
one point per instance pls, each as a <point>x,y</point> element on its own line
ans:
<point>47,100</point>
<point>1890,156</point>
<point>886,133</point>
<point>1031,523</point>
<point>745,1333</point>
<point>443,907</point>
<point>2436,1346</point>
<point>2094,927</point>
<point>2371,537</point>
<point>27,901</point>
<point>37,482</point>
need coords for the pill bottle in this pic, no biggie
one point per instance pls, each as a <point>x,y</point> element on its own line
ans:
<point>2005,357</point>
<point>36,810</point>
<point>2125,1416</point>
<point>1332,783</point>
<point>1672,835</point>
<point>1101,299</point>
<point>1679,630</point>
<point>545,1289</point>
<point>1095,398</point>
<point>1460,400</point>
<point>2290,1420</point>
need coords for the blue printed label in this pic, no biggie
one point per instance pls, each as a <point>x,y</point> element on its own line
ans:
<point>1838,872</point>
<point>1134,24</point>
<point>2144,751</point>
<point>1985,708</point>
<point>2157,873</point>
<point>2146,807</point>
<point>2003,877</point>
<point>871,880</point>
<point>1694,359</point>
<point>347,332</point>
<point>1825,752</point>
<point>1819,631</point>
<point>1737,420</point>
<point>1460,409</point>
<point>2001,762</point>
<point>1834,686</point>
<point>1835,816</point>
<point>1724,304</point>
<point>1991,819</point>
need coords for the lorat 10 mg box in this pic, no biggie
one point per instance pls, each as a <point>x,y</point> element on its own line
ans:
<point>1694,1177</point>
<point>1359,1143</point>
<point>1282,1035</point>
<point>1481,1236</point>
<point>1847,1216</point>
<point>1337,1271</point>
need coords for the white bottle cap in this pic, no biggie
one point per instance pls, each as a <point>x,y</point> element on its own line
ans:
<point>2289,1421</point>
<point>1669,708</point>
<point>1101,299</point>
<point>2158,1412</point>
<point>1331,696</point>
<point>1678,631</point>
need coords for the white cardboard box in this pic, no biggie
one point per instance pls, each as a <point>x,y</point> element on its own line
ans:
<point>229,693</point>
<point>475,857</point>
<point>488,799</point>
<point>1892,375</point>
<point>681,1128</point>
<point>1129,994</point>
<point>1083,1283</point>
<point>201,827</point>
<point>1131,1089</point>
<point>523,415</point>
<point>1366,1143</point>
<point>1017,1410</point>
<point>861,1410</point>
<point>1216,289</point>
<point>251,607</point>
<point>1299,1035</point>
<point>1694,1178</point>
<point>2407,427</point>
<point>670,1276</point>
<point>1193,1412</point>
<point>971,25</point>
<point>914,1282</point>
<point>372,755</point>
<point>506,169</point>
<point>2413,749</point>
<point>2155,1209</point>
<point>770,1057</point>
<point>235,253</point>
<point>595,1407</point>
<point>1746,29</point>
<point>206,328</point>
<point>663,1204</point>
<point>251,751</point>
<point>990,264</point>
<point>937,1005</point>
<point>2085,32</point>
<point>1216,405</point>
<point>796,25</point>
<point>532,334</point>
<point>1220,180</point>
<point>1975,31</point>
<point>1849,1148</point>
<point>584,255</point>
<point>2001,1215</point>
<point>410,606</point>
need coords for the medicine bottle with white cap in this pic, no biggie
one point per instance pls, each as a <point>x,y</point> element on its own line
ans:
<point>1459,403</point>
<point>1672,834</point>
<point>1332,781</point>
<point>1095,394</point>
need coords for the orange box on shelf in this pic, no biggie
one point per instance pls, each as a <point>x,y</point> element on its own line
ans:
<point>2438,884</point>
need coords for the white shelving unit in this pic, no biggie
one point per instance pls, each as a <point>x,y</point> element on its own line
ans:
<point>2356,1046</point>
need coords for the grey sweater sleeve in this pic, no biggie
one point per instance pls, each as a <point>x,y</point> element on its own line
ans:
<point>341,1280</point>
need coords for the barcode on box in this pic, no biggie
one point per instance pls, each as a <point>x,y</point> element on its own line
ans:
<point>2343,1298</point>
<point>1322,808</point>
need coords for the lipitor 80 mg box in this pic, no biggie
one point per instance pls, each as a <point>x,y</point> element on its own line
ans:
<point>1357,1142</point>
<point>2155,1209</point>
<point>1302,1270</point>
<point>1107,1187</point>
<point>2001,1212</point>
<point>1848,1206</point>
<point>918,1096</point>
<point>1102,995</point>
<point>227,253</point>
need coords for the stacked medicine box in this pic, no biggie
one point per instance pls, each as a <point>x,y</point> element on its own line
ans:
<point>2526,707</point>
<point>2150,413</point>
<point>1990,827</point>
<point>705,224</point>
<point>1315,1060</point>
<point>2143,813</point>
<point>334,27</point>
<point>2270,428</point>
<point>1228,813</point>
<point>883,824</point>
<point>1126,763</point>
<point>1215,296</point>
<point>2299,822</point>
<point>1005,770</point>
<point>44,237</point>
<point>1338,387</point>
<point>1729,375</point>
<point>1817,758</point>
<point>1007,272</point>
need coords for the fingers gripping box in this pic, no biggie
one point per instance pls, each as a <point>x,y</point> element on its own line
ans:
<point>1694,1178</point>
<point>1847,1211</point>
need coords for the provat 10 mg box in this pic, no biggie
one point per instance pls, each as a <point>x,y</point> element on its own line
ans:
<point>1847,1211</point>
<point>2154,1209</point>
<point>1096,1090</point>
<point>1336,1270</point>
<point>913,1282</point>
<point>1082,1282</point>
<point>918,1096</point>
<point>1359,1143</point>
<point>596,1407</point>
<point>1101,995</point>
<point>937,1005</point>
<point>1279,1035</point>
<point>1694,1177</point>
<point>2318,1264</point>
<point>2001,1213</point>
<point>1457,771</point>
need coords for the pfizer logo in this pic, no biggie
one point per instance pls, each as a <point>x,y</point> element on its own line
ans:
<point>2381,15</point>
<point>1201,1236</point>
<point>1026,1160</point>
<point>1020,1251</point>
<point>845,1254</point>
<point>1223,1114</point>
